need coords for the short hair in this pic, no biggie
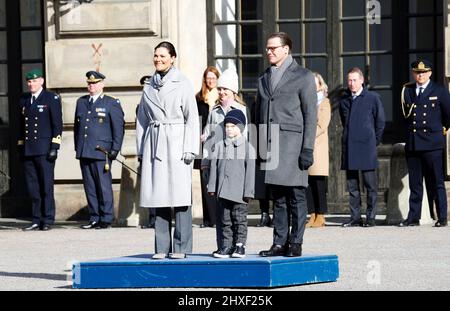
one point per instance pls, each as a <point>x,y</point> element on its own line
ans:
<point>322,85</point>
<point>284,38</point>
<point>356,70</point>
<point>168,46</point>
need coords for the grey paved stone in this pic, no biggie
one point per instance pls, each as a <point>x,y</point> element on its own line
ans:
<point>370,259</point>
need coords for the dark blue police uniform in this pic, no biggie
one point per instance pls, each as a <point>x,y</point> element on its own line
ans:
<point>39,139</point>
<point>427,115</point>
<point>98,124</point>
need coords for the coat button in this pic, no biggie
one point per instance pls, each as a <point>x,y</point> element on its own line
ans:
<point>424,122</point>
<point>35,137</point>
<point>35,125</point>
<point>36,118</point>
<point>26,125</point>
<point>85,127</point>
<point>414,122</point>
<point>424,114</point>
<point>26,138</point>
<point>85,135</point>
<point>35,131</point>
<point>425,106</point>
<point>424,131</point>
<point>89,112</point>
<point>26,118</point>
<point>87,120</point>
<point>415,130</point>
<point>26,132</point>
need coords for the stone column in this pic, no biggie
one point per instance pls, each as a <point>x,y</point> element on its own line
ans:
<point>129,211</point>
<point>398,195</point>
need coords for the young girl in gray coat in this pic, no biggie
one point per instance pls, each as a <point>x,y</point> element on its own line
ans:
<point>232,181</point>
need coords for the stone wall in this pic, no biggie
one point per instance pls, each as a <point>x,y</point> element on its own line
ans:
<point>117,38</point>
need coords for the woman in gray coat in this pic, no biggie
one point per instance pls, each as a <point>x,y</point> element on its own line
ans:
<point>167,130</point>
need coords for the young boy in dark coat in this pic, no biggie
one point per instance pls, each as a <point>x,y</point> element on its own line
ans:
<point>232,181</point>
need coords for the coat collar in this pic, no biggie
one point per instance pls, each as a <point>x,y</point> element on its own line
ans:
<point>236,142</point>
<point>284,79</point>
<point>173,79</point>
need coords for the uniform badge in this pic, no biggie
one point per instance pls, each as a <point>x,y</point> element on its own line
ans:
<point>41,110</point>
<point>100,120</point>
<point>101,114</point>
<point>433,98</point>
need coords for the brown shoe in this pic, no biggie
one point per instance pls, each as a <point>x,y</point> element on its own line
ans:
<point>319,222</point>
<point>310,223</point>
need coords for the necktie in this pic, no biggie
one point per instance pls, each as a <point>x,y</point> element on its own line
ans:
<point>91,101</point>
<point>33,99</point>
<point>420,92</point>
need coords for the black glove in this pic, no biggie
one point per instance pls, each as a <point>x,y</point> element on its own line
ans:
<point>205,174</point>
<point>306,159</point>
<point>52,155</point>
<point>112,155</point>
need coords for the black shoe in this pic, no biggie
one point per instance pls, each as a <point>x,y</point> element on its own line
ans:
<point>295,250</point>
<point>441,223</point>
<point>275,250</point>
<point>149,226</point>
<point>103,225</point>
<point>90,225</point>
<point>353,223</point>
<point>370,223</point>
<point>46,228</point>
<point>33,227</point>
<point>409,223</point>
<point>265,220</point>
<point>223,253</point>
<point>239,251</point>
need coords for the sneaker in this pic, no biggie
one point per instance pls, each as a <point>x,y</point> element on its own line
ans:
<point>159,256</point>
<point>177,256</point>
<point>223,253</point>
<point>239,251</point>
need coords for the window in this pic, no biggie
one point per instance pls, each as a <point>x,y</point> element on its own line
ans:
<point>330,37</point>
<point>238,36</point>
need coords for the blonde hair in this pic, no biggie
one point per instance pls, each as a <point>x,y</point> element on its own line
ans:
<point>322,85</point>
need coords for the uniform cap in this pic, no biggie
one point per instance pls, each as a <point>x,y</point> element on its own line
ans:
<point>94,77</point>
<point>34,74</point>
<point>421,65</point>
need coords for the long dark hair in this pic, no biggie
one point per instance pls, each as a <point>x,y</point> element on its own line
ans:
<point>168,46</point>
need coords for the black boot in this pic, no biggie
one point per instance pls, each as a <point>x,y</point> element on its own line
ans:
<point>265,220</point>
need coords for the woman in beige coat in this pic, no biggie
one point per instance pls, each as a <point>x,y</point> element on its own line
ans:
<point>318,172</point>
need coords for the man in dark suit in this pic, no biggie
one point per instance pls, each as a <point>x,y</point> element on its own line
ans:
<point>99,124</point>
<point>287,119</point>
<point>426,108</point>
<point>39,141</point>
<point>363,120</point>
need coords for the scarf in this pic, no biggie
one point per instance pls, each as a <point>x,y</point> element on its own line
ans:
<point>320,97</point>
<point>159,78</point>
<point>211,97</point>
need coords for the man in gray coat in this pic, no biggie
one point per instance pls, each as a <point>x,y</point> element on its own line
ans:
<point>286,115</point>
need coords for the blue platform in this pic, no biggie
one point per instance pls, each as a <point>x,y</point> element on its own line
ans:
<point>198,271</point>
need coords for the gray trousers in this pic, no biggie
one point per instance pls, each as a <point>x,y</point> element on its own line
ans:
<point>182,235</point>
<point>231,223</point>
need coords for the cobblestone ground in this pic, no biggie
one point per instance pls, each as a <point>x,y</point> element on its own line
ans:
<point>370,259</point>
